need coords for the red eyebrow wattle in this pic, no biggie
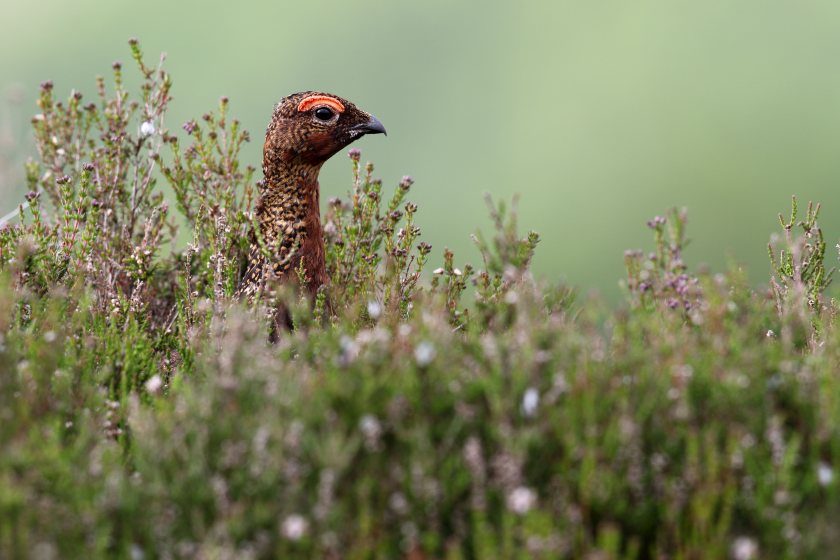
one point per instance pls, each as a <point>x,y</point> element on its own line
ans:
<point>313,100</point>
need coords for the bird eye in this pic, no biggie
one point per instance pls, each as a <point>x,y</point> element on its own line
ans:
<point>323,113</point>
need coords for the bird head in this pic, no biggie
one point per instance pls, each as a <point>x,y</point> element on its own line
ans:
<point>310,127</point>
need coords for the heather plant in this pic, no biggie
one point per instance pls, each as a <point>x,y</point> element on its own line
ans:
<point>471,413</point>
<point>798,261</point>
<point>215,197</point>
<point>92,213</point>
<point>661,278</point>
<point>799,276</point>
<point>373,249</point>
<point>506,260</point>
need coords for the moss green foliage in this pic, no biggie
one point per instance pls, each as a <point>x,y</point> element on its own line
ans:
<point>479,414</point>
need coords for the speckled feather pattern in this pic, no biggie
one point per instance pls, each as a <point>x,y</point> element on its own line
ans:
<point>297,143</point>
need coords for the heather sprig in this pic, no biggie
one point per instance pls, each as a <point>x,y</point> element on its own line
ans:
<point>799,274</point>
<point>215,194</point>
<point>506,258</point>
<point>660,279</point>
<point>451,283</point>
<point>373,248</point>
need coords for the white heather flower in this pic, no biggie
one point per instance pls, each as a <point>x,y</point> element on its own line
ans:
<point>294,527</point>
<point>825,474</point>
<point>530,401</point>
<point>457,271</point>
<point>438,270</point>
<point>370,426</point>
<point>560,383</point>
<point>744,548</point>
<point>424,353</point>
<point>374,309</point>
<point>398,503</point>
<point>349,350</point>
<point>521,500</point>
<point>770,333</point>
<point>136,552</point>
<point>346,343</point>
<point>154,384</point>
<point>147,129</point>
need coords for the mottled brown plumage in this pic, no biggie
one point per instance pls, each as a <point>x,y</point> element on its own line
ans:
<point>306,129</point>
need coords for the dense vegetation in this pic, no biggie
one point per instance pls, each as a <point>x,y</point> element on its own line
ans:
<point>478,414</point>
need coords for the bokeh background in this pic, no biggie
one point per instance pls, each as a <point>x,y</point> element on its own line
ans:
<point>599,114</point>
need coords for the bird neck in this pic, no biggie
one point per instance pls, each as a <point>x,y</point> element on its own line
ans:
<point>289,217</point>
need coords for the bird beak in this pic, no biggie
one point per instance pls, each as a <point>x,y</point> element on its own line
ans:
<point>373,126</point>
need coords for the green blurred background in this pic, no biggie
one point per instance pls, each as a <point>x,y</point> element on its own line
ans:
<point>600,114</point>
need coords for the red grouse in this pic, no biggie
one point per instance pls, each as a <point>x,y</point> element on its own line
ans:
<point>306,129</point>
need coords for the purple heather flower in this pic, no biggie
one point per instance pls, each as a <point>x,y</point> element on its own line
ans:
<point>656,222</point>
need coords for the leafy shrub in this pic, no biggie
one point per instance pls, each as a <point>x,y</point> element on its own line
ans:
<point>479,414</point>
